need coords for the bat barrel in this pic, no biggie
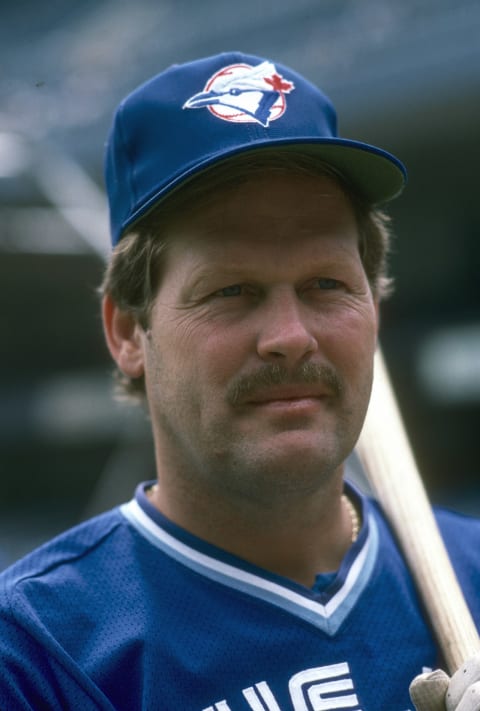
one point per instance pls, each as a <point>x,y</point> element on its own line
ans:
<point>391,470</point>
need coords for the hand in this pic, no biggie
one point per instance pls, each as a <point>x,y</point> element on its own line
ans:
<point>436,691</point>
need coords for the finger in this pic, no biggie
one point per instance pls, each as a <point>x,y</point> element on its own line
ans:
<point>463,679</point>
<point>428,691</point>
<point>470,700</point>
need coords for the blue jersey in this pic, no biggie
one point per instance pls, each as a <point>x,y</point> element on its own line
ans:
<point>130,612</point>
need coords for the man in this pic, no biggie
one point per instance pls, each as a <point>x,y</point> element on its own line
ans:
<point>241,303</point>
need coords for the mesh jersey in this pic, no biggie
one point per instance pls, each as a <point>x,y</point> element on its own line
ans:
<point>130,612</point>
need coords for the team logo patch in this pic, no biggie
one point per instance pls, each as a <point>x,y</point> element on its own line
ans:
<point>244,94</point>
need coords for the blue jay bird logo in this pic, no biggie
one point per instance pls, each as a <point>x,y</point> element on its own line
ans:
<point>242,93</point>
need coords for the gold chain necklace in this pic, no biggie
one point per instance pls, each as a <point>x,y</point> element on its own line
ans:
<point>354,517</point>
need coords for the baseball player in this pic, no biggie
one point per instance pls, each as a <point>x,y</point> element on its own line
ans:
<point>241,305</point>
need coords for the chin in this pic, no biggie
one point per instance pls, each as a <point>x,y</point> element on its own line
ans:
<point>302,460</point>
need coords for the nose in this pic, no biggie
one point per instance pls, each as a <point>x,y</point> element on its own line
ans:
<point>286,334</point>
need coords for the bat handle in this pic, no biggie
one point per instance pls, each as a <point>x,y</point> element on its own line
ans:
<point>391,470</point>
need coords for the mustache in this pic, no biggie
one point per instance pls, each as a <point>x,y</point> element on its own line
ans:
<point>270,374</point>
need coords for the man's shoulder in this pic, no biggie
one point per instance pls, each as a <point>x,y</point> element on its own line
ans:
<point>56,558</point>
<point>460,531</point>
<point>452,520</point>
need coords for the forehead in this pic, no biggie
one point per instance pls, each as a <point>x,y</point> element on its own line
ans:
<point>264,209</point>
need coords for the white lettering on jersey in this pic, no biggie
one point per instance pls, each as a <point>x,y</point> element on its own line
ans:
<point>261,698</point>
<point>318,689</point>
<point>219,706</point>
<point>312,689</point>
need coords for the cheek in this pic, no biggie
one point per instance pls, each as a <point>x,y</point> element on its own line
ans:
<point>202,353</point>
<point>223,353</point>
<point>353,340</point>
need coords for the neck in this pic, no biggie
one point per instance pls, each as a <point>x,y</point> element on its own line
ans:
<point>297,541</point>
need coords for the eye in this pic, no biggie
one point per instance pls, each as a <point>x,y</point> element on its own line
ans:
<point>326,283</point>
<point>229,291</point>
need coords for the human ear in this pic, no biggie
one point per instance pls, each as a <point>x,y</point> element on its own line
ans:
<point>124,337</point>
<point>376,304</point>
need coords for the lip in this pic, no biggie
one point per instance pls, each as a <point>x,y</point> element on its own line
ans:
<point>291,397</point>
<point>299,409</point>
<point>292,405</point>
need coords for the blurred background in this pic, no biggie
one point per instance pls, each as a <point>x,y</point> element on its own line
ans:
<point>405,76</point>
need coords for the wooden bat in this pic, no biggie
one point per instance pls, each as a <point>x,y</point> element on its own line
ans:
<point>391,470</point>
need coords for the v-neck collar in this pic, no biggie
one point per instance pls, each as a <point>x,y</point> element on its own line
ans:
<point>326,610</point>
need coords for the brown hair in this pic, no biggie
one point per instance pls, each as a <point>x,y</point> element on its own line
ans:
<point>133,274</point>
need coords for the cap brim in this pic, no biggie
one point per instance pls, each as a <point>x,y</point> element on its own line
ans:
<point>376,175</point>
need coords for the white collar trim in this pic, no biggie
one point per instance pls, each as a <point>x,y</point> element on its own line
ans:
<point>328,617</point>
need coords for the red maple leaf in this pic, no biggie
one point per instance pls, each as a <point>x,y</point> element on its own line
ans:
<point>278,83</point>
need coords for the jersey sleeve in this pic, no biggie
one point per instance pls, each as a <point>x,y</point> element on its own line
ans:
<point>32,678</point>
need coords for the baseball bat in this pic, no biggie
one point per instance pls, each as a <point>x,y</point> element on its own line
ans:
<point>392,472</point>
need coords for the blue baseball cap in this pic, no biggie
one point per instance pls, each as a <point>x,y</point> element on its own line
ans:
<point>194,115</point>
